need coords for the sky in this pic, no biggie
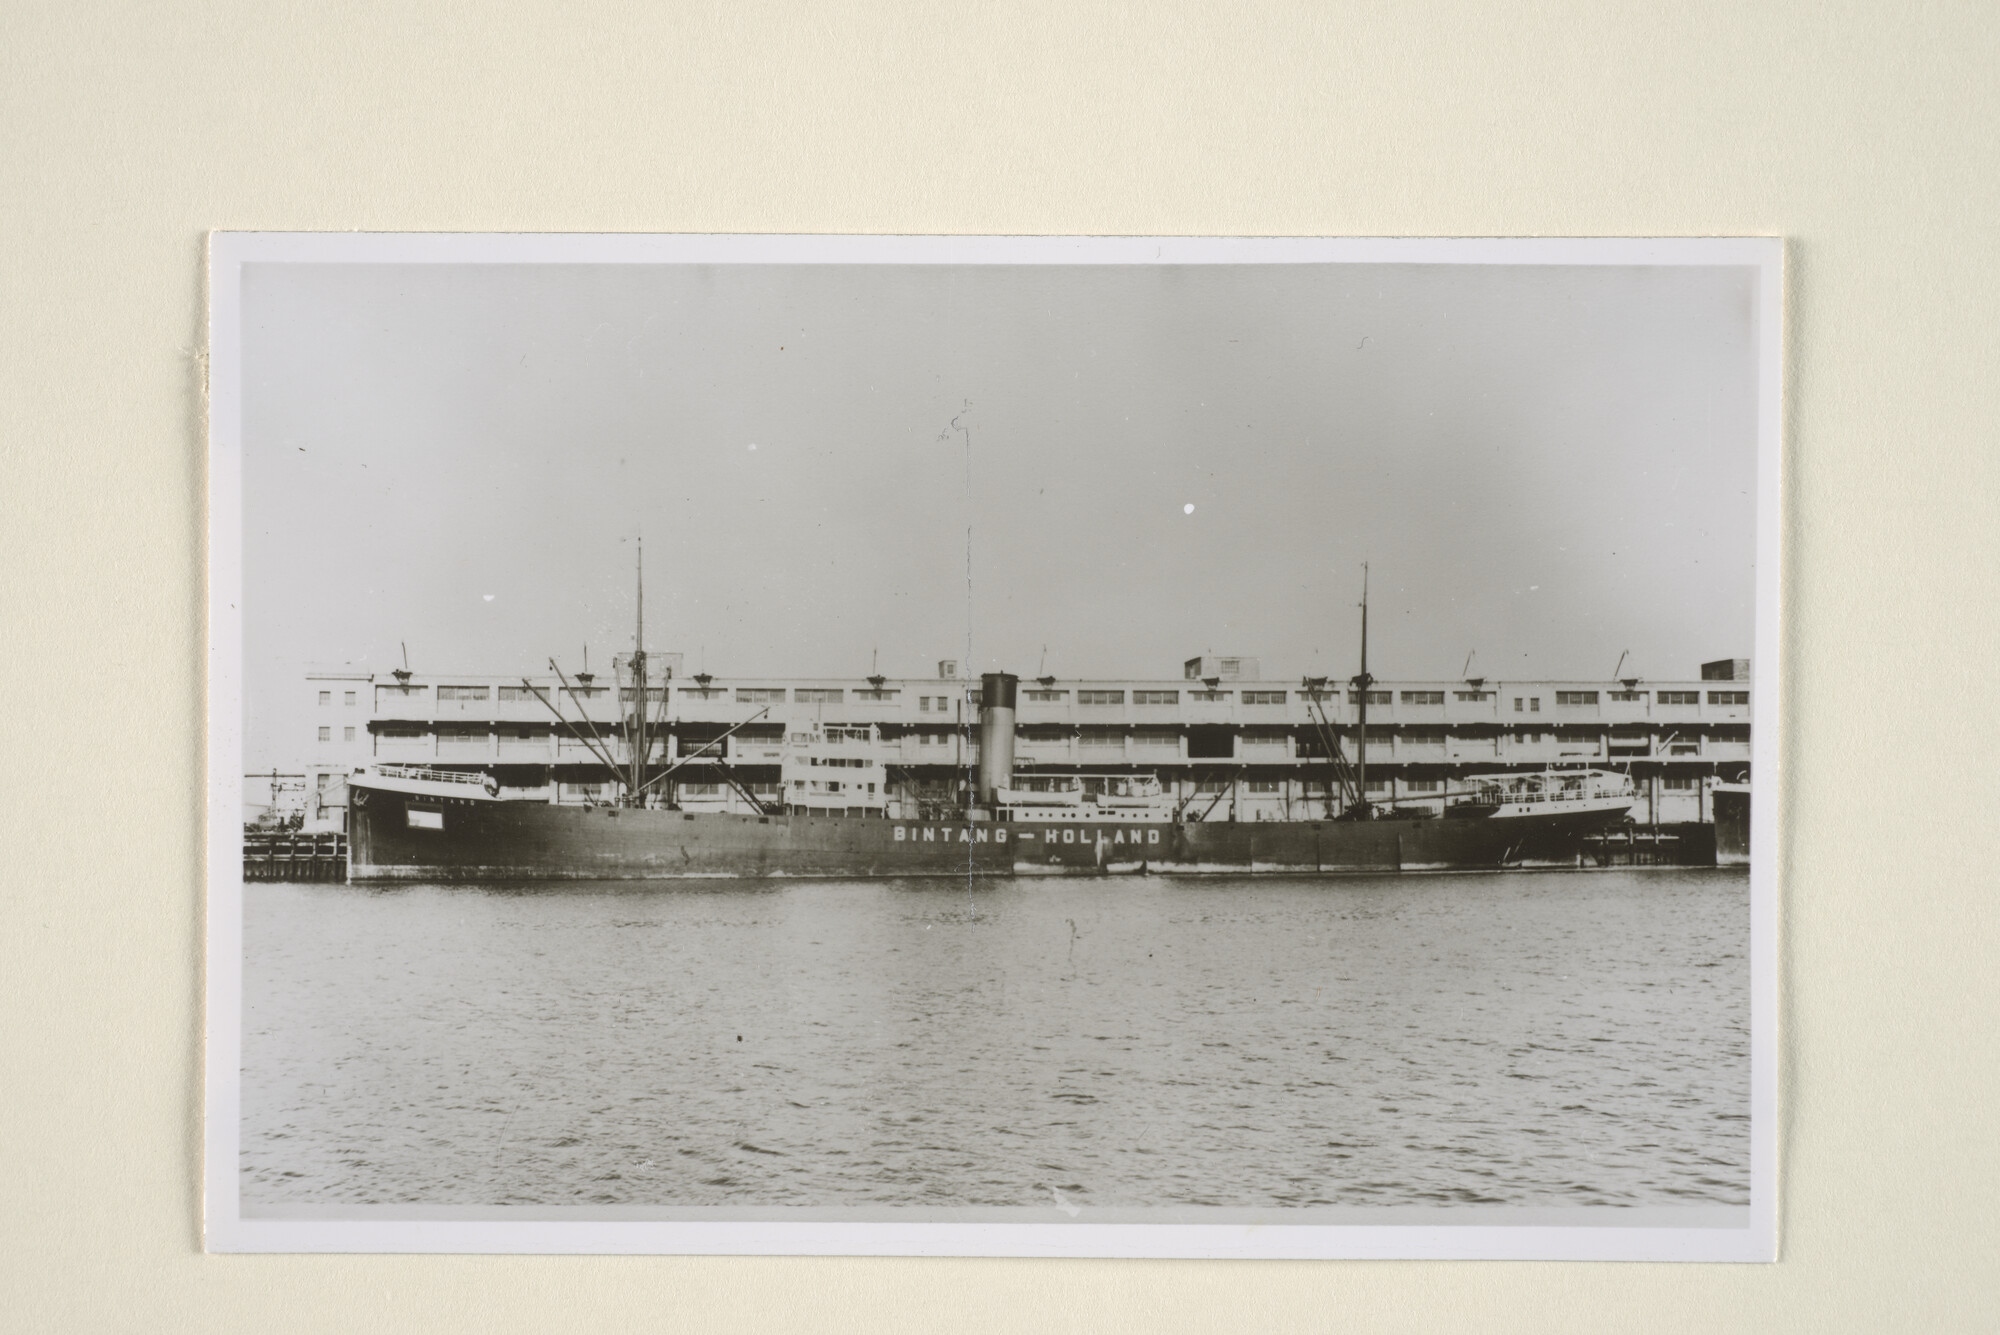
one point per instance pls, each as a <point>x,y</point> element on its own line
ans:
<point>1078,470</point>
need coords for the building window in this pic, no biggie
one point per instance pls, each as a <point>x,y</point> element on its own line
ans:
<point>1101,739</point>
<point>1472,696</point>
<point>1517,704</point>
<point>1231,665</point>
<point>461,693</point>
<point>347,698</point>
<point>1423,697</point>
<point>877,693</point>
<point>322,781</point>
<point>1576,697</point>
<point>326,734</point>
<point>1209,697</point>
<point>389,696</point>
<point>1263,697</point>
<point>347,734</point>
<point>1680,697</point>
<point>1156,697</point>
<point>1528,738</point>
<point>1047,697</point>
<point>1100,697</point>
<point>515,693</point>
<point>1167,737</point>
<point>326,697</point>
<point>818,695</point>
<point>760,695</point>
<point>1674,785</point>
<point>1728,697</point>
<point>1374,697</point>
<point>1264,786</point>
<point>1422,785</point>
<point>1534,704</point>
<point>629,694</point>
<point>1629,697</point>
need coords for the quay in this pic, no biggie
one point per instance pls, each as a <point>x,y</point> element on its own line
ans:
<point>291,855</point>
<point>1684,844</point>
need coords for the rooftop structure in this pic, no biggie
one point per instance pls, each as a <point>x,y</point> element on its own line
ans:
<point>1219,668</point>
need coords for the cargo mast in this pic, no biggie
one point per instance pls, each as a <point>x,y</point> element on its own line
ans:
<point>1364,811</point>
<point>635,790</point>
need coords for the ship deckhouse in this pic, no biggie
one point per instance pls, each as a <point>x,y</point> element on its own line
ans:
<point>835,769</point>
<point>1086,797</point>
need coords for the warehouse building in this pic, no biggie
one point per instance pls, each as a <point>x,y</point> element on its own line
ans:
<point>1228,744</point>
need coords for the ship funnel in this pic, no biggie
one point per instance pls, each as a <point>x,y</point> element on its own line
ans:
<point>996,734</point>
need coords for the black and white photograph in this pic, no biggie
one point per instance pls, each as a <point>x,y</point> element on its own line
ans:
<point>993,746</point>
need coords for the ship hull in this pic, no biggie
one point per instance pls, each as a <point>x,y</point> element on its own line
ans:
<point>398,836</point>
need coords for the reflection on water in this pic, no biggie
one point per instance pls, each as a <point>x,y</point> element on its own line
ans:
<point>1525,1038</point>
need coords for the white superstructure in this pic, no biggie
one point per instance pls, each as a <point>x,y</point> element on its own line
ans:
<point>1087,797</point>
<point>830,769</point>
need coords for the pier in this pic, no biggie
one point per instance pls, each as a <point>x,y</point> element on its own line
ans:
<point>1686,844</point>
<point>288,855</point>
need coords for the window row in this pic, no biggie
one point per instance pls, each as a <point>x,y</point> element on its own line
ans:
<point>389,695</point>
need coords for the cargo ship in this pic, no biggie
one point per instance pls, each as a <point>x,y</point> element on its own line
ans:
<point>835,815</point>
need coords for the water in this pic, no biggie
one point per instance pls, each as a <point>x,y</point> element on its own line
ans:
<point>1523,1039</point>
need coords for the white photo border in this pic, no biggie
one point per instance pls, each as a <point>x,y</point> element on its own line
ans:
<point>1603,1233</point>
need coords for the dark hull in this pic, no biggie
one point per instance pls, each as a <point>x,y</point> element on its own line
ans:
<point>1732,828</point>
<point>459,840</point>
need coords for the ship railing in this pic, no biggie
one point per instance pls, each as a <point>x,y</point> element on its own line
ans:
<point>1499,794</point>
<point>428,775</point>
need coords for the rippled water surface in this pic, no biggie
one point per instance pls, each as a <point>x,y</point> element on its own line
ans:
<point>1525,1038</point>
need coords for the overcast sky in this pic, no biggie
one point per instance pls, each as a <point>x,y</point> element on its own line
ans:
<point>1547,466</point>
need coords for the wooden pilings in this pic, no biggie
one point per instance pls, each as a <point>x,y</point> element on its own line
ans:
<point>288,855</point>
<point>1687,844</point>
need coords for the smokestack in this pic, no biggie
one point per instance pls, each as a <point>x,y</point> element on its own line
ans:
<point>996,733</point>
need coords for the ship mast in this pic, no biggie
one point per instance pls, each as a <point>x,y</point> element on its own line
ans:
<point>1361,685</point>
<point>638,730</point>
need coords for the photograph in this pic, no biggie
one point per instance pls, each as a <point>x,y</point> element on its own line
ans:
<point>993,745</point>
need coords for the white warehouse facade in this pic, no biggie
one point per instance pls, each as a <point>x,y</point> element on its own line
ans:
<point>1230,746</point>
